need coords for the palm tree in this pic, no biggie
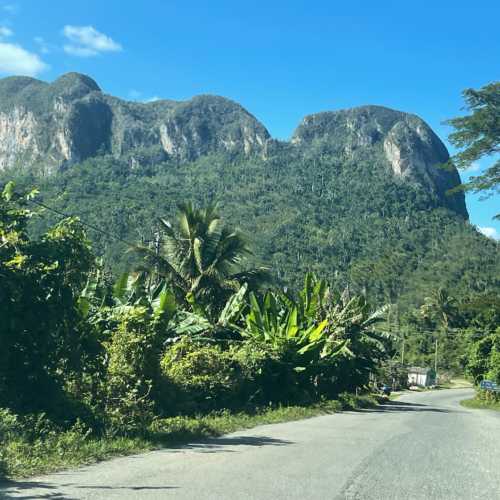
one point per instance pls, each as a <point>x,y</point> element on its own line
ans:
<point>441,307</point>
<point>202,260</point>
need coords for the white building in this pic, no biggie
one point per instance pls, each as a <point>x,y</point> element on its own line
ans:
<point>422,377</point>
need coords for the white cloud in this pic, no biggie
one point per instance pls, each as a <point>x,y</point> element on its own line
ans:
<point>5,32</point>
<point>490,232</point>
<point>80,51</point>
<point>86,41</point>
<point>15,60</point>
<point>10,8</point>
<point>473,167</point>
<point>43,46</point>
<point>137,95</point>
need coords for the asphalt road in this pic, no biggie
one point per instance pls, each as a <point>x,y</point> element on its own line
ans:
<point>422,446</point>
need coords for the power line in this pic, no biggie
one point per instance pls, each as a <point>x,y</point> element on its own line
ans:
<point>436,332</point>
<point>84,223</point>
<point>80,220</point>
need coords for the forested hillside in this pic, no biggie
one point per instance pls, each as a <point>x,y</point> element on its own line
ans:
<point>360,196</point>
<point>346,220</point>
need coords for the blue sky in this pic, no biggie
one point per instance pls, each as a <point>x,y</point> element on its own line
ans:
<point>281,60</point>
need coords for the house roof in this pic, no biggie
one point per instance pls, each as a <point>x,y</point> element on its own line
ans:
<point>419,370</point>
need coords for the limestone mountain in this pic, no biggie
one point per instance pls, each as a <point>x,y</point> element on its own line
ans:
<point>402,140</point>
<point>48,127</point>
<point>60,124</point>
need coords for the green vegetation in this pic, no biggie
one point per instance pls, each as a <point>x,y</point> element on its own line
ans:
<point>33,445</point>
<point>91,368</point>
<point>347,221</point>
<point>391,242</point>
<point>484,400</point>
<point>478,135</point>
<point>484,357</point>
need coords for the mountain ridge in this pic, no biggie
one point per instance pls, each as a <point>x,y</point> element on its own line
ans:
<point>52,126</point>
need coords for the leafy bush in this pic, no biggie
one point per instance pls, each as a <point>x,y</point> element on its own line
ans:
<point>10,425</point>
<point>131,371</point>
<point>266,376</point>
<point>34,444</point>
<point>488,396</point>
<point>205,377</point>
<point>483,361</point>
<point>34,436</point>
<point>202,377</point>
<point>41,340</point>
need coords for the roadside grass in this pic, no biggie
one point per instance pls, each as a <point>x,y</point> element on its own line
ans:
<point>481,404</point>
<point>456,383</point>
<point>22,456</point>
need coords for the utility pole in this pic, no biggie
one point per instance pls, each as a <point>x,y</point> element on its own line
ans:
<point>436,358</point>
<point>153,276</point>
<point>403,349</point>
<point>157,250</point>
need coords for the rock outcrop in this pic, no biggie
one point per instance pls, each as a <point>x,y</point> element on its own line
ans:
<point>59,124</point>
<point>407,145</point>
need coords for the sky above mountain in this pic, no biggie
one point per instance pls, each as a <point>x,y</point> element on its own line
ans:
<point>281,60</point>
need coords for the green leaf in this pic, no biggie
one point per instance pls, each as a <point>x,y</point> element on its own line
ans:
<point>318,331</point>
<point>292,327</point>
<point>233,306</point>
<point>120,287</point>
<point>8,190</point>
<point>165,304</point>
<point>83,305</point>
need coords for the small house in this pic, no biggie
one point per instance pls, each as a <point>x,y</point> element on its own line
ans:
<point>421,377</point>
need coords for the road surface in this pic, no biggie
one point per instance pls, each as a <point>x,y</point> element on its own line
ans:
<point>422,446</point>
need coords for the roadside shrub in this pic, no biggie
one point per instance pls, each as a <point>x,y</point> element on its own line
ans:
<point>484,358</point>
<point>488,396</point>
<point>494,361</point>
<point>204,378</point>
<point>266,376</point>
<point>201,377</point>
<point>9,425</point>
<point>131,372</point>
<point>348,401</point>
<point>30,441</point>
<point>40,340</point>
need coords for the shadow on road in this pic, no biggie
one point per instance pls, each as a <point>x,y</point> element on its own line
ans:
<point>131,488</point>
<point>9,488</point>
<point>14,489</point>
<point>221,444</point>
<point>400,406</point>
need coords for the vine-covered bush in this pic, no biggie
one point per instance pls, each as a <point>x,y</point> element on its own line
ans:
<point>267,376</point>
<point>202,377</point>
<point>131,371</point>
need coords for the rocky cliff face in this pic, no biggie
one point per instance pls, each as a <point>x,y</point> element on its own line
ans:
<point>404,142</point>
<point>52,126</point>
<point>59,124</point>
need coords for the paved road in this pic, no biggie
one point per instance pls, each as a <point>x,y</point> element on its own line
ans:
<point>423,446</point>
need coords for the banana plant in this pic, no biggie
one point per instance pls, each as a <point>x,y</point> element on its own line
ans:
<point>313,297</point>
<point>95,294</point>
<point>132,289</point>
<point>199,325</point>
<point>278,321</point>
<point>349,331</point>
